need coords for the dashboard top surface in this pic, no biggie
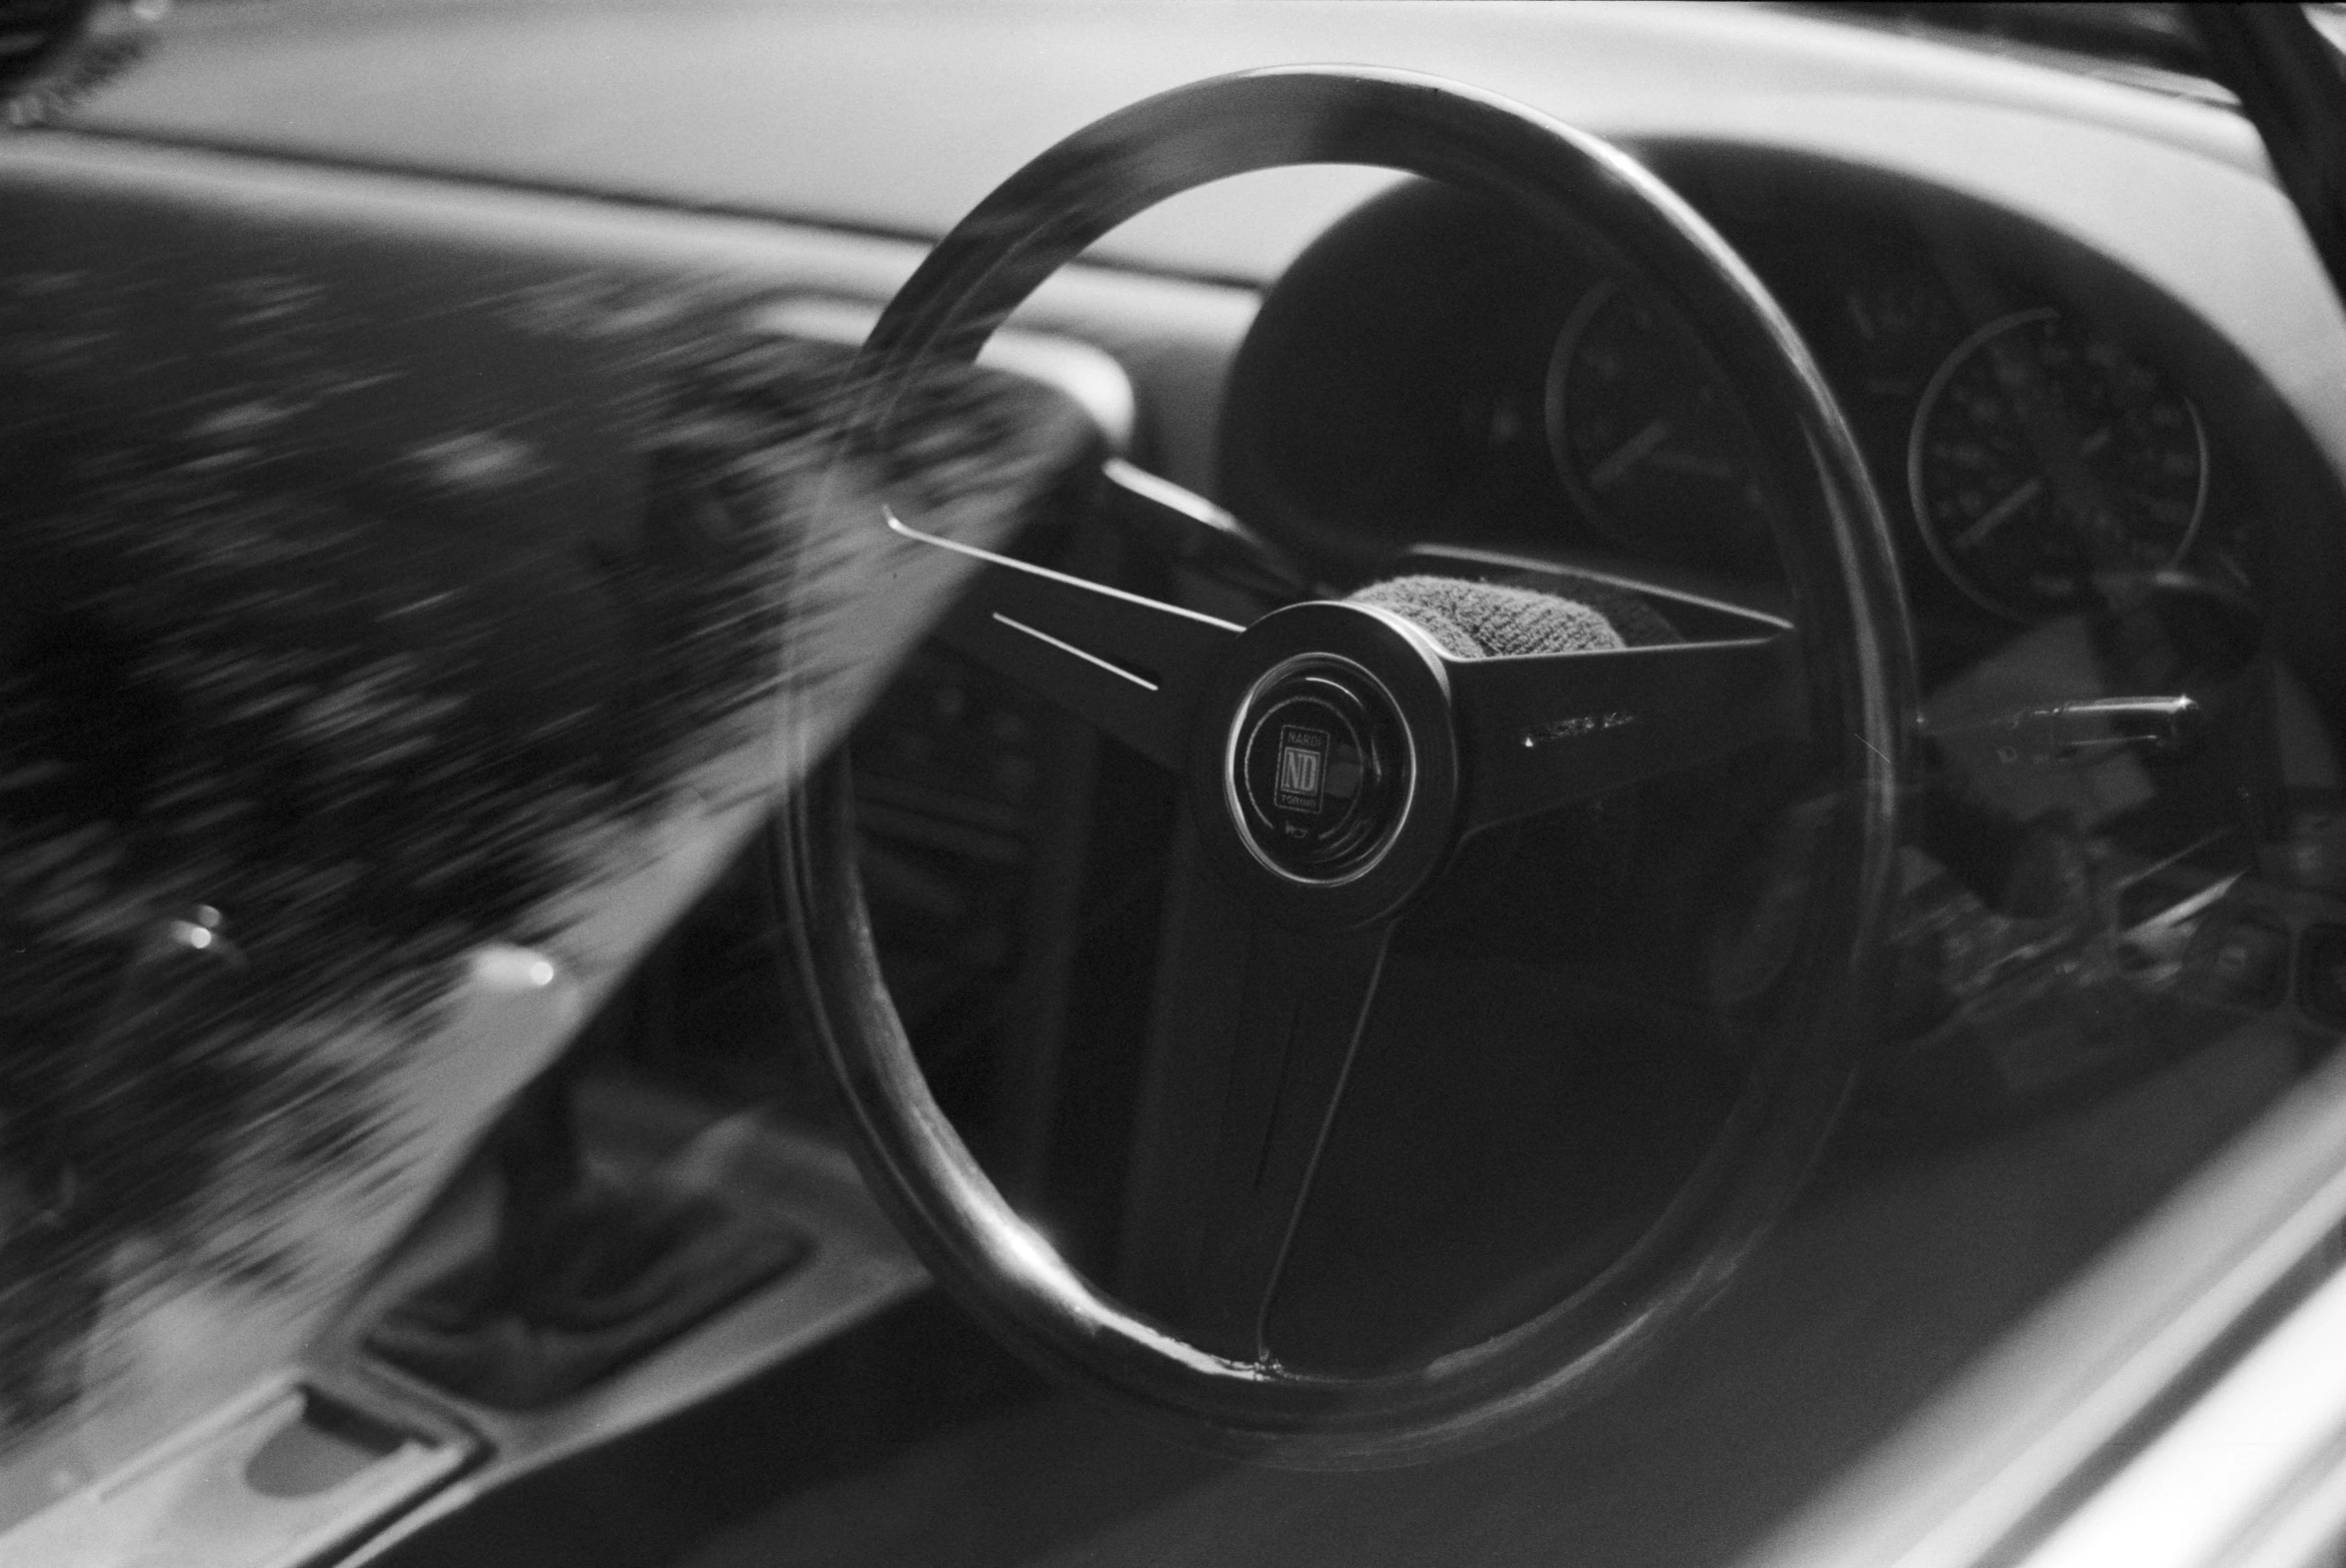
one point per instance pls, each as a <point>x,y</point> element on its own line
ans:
<point>899,117</point>
<point>892,120</point>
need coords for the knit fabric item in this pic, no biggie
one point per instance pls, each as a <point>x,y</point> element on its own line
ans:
<point>1477,620</point>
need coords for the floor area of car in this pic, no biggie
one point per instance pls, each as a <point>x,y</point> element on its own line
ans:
<point>1899,1265</point>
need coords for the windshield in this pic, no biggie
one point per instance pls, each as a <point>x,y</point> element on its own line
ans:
<point>1595,751</point>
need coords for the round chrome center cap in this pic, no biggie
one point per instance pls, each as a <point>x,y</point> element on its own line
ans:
<point>1319,771</point>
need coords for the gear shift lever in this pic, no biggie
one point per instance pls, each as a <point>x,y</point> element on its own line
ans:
<point>584,1271</point>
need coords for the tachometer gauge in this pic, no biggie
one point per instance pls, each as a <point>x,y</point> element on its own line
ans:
<point>1648,439</point>
<point>2048,467</point>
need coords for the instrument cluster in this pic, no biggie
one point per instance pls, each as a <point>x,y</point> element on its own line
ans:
<point>1430,373</point>
<point>2046,466</point>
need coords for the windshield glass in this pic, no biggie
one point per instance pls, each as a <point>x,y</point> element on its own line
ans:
<point>1620,735</point>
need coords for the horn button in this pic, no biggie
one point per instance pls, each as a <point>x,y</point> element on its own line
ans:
<point>1320,775</point>
<point>1324,768</point>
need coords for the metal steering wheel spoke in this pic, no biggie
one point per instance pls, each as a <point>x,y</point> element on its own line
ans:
<point>1539,731</point>
<point>1129,666</point>
<point>1273,1060</point>
<point>1190,531</point>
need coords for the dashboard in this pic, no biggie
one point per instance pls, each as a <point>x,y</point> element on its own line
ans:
<point>2114,535</point>
<point>2049,431</point>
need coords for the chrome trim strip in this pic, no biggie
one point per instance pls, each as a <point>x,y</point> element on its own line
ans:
<point>1069,647</point>
<point>2033,1431</point>
<point>2211,1480</point>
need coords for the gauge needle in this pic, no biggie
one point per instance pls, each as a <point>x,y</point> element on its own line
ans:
<point>1608,472</point>
<point>1998,514</point>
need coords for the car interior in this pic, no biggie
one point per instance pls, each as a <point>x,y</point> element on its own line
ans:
<point>1154,782</point>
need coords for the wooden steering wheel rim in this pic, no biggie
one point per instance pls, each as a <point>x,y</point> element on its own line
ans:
<point>1856,661</point>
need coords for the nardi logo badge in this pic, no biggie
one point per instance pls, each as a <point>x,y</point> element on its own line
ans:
<point>1303,767</point>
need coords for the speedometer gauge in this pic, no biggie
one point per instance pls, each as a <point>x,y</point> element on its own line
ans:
<point>2049,465</point>
<point>1648,440</point>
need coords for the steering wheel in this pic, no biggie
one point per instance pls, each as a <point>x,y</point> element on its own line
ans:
<point>1335,753</point>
